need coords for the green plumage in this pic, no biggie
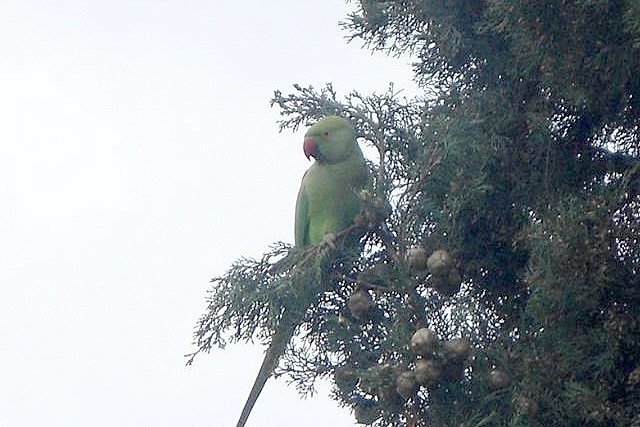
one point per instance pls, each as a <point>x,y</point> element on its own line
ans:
<point>328,202</point>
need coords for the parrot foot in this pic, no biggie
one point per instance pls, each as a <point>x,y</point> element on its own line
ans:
<point>329,240</point>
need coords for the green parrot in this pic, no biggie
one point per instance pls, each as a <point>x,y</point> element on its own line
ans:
<point>328,202</point>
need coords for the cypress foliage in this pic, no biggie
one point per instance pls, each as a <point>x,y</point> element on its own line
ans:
<point>518,170</point>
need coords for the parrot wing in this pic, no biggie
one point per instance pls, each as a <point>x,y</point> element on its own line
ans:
<point>301,231</point>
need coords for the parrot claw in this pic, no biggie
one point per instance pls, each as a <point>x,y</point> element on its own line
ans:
<point>329,240</point>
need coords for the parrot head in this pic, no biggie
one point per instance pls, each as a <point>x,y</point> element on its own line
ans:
<point>331,140</point>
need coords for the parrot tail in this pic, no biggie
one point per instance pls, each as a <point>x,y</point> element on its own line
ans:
<point>277,347</point>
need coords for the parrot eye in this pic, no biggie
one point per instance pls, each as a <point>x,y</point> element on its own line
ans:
<point>326,133</point>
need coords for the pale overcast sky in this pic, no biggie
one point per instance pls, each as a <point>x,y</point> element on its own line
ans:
<point>139,157</point>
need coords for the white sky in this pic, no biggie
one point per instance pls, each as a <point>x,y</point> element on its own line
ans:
<point>138,158</point>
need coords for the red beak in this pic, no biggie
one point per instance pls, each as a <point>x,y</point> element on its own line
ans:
<point>310,147</point>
